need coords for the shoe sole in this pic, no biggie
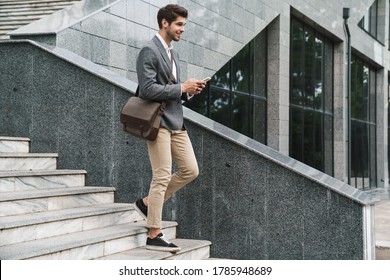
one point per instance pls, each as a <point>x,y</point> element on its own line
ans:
<point>163,249</point>
<point>140,212</point>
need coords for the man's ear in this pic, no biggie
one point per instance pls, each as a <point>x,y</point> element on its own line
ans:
<point>165,23</point>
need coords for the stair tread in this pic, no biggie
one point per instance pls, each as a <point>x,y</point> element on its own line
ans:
<point>38,6</point>
<point>27,155</point>
<point>17,2</point>
<point>382,243</point>
<point>55,244</point>
<point>141,253</point>
<point>10,138</point>
<point>34,4</point>
<point>18,20</point>
<point>35,14</point>
<point>14,221</point>
<point>9,196</point>
<point>42,172</point>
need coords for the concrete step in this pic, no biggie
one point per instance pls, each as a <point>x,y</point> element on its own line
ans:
<point>14,145</point>
<point>382,250</point>
<point>24,202</point>
<point>27,161</point>
<point>28,227</point>
<point>6,24</point>
<point>15,14</point>
<point>14,181</point>
<point>382,230</point>
<point>90,244</point>
<point>35,3</point>
<point>47,213</point>
<point>190,250</point>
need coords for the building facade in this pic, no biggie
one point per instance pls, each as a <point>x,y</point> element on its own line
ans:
<point>281,71</point>
<point>327,111</point>
<point>280,75</point>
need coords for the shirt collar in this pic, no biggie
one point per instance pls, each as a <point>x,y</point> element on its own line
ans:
<point>163,42</point>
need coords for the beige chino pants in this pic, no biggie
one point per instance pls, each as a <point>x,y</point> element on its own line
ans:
<point>169,145</point>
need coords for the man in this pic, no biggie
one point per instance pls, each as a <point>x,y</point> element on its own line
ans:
<point>158,73</point>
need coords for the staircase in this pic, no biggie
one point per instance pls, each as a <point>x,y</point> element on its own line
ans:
<point>17,13</point>
<point>46,213</point>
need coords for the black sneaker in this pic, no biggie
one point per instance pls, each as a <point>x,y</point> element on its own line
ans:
<point>141,208</point>
<point>161,244</point>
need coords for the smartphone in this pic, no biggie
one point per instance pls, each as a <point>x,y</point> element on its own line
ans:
<point>206,79</point>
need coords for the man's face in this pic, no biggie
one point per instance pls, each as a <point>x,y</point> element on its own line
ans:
<point>175,29</point>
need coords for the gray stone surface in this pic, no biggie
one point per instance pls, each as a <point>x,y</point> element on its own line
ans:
<point>270,210</point>
<point>250,201</point>
<point>67,109</point>
<point>111,32</point>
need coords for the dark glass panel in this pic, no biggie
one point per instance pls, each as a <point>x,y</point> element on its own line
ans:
<point>259,120</point>
<point>372,97</point>
<point>353,87</point>
<point>309,138</point>
<point>319,75</point>
<point>361,23</point>
<point>372,156</point>
<point>199,103</point>
<point>373,15</point>
<point>296,134</point>
<point>328,144</point>
<point>357,90</point>
<point>219,106</point>
<point>297,63</point>
<point>359,155</point>
<point>231,93</point>
<point>309,68</point>
<point>221,79</point>
<point>370,20</point>
<point>365,94</point>
<point>241,113</point>
<point>328,78</point>
<point>241,70</point>
<point>311,132</point>
<point>363,125</point>
<point>260,66</point>
<point>318,132</point>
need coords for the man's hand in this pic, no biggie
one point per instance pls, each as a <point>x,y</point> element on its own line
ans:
<point>193,86</point>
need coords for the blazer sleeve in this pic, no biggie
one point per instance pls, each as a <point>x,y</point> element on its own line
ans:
<point>153,78</point>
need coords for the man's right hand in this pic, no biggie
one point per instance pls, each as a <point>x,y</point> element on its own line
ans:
<point>193,86</point>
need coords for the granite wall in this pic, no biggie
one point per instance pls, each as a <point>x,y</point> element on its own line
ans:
<point>252,202</point>
<point>111,32</point>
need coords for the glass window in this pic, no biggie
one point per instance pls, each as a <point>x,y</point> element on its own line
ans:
<point>241,70</point>
<point>311,98</point>
<point>297,44</point>
<point>220,107</point>
<point>240,113</point>
<point>363,124</point>
<point>370,20</point>
<point>309,75</point>
<point>260,67</point>
<point>236,96</point>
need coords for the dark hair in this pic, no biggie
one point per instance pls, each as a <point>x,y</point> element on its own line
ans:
<point>170,13</point>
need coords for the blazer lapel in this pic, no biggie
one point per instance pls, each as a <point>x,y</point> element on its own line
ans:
<point>176,59</point>
<point>165,56</point>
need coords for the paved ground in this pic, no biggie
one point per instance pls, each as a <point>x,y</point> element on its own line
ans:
<point>382,231</point>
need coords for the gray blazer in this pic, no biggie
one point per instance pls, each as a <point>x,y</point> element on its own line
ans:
<point>153,70</point>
